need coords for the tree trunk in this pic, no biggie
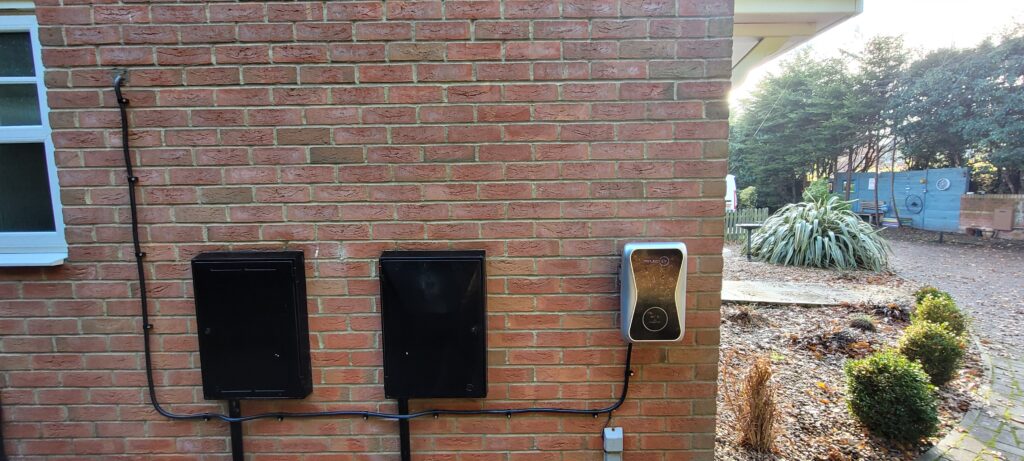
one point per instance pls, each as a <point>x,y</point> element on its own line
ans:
<point>892,184</point>
<point>849,174</point>
<point>878,216</point>
<point>1012,179</point>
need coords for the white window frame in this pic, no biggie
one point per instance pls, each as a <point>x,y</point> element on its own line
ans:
<point>47,248</point>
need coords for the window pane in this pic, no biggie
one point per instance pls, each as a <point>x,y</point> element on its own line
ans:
<point>24,189</point>
<point>19,105</point>
<point>16,55</point>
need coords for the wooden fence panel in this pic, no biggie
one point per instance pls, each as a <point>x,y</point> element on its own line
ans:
<point>742,216</point>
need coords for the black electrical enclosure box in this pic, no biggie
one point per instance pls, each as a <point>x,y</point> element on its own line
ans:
<point>252,325</point>
<point>433,309</point>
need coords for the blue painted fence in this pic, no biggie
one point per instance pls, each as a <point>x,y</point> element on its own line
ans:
<point>939,210</point>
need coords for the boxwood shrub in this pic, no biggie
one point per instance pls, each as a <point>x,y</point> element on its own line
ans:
<point>928,290</point>
<point>891,395</point>
<point>943,311</point>
<point>938,350</point>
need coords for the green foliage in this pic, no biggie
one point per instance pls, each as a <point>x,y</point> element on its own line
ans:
<point>928,290</point>
<point>799,121</point>
<point>816,191</point>
<point>952,107</point>
<point>791,126</point>
<point>748,197</point>
<point>863,323</point>
<point>939,351</point>
<point>941,309</point>
<point>824,234</point>
<point>962,106</point>
<point>891,395</point>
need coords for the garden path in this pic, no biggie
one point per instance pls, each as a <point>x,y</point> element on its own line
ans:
<point>987,279</point>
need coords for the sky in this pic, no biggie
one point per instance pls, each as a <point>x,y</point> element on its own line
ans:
<point>924,24</point>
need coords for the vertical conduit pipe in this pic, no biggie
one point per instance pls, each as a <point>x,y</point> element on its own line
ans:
<point>237,448</point>
<point>403,430</point>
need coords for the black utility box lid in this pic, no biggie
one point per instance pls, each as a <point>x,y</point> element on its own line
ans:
<point>433,309</point>
<point>253,329</point>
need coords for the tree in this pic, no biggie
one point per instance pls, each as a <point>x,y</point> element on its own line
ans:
<point>999,124</point>
<point>966,108</point>
<point>877,79</point>
<point>792,127</point>
<point>932,106</point>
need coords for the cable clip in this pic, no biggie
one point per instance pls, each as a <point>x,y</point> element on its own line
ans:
<point>140,254</point>
<point>595,415</point>
<point>630,372</point>
<point>133,179</point>
<point>280,418</point>
<point>436,415</point>
<point>123,100</point>
<point>206,418</point>
<point>148,326</point>
<point>508,415</point>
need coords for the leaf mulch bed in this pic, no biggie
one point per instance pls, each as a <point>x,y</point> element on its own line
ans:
<point>808,347</point>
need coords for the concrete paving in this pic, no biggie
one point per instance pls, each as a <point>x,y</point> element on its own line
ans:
<point>802,294</point>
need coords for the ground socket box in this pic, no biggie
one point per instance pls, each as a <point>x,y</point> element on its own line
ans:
<point>433,312</point>
<point>252,324</point>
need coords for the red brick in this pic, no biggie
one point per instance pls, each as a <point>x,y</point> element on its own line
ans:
<point>300,53</point>
<point>355,11</point>
<point>444,72</point>
<point>236,12</point>
<point>502,30</point>
<point>503,71</point>
<point>386,73</point>
<point>367,31</point>
<point>442,31</point>
<point>327,32</point>
<point>474,51</point>
<point>589,8</point>
<point>531,9</point>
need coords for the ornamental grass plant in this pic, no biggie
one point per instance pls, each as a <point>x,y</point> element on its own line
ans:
<point>825,233</point>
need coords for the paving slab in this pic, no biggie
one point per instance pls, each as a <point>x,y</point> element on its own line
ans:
<point>802,294</point>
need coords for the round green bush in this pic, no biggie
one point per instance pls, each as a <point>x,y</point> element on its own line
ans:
<point>929,290</point>
<point>938,350</point>
<point>891,395</point>
<point>943,311</point>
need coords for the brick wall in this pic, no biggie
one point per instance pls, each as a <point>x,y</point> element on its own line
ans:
<point>547,132</point>
<point>978,212</point>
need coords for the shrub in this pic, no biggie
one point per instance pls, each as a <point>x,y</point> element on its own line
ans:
<point>943,311</point>
<point>939,351</point>
<point>929,290</point>
<point>863,323</point>
<point>891,395</point>
<point>748,197</point>
<point>816,191</point>
<point>756,412</point>
<point>820,234</point>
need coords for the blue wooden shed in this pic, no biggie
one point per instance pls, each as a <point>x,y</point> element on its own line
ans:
<point>929,198</point>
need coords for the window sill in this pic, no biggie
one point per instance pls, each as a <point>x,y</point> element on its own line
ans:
<point>32,259</point>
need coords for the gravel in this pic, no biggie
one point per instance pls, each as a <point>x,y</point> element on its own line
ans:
<point>808,346</point>
<point>985,276</point>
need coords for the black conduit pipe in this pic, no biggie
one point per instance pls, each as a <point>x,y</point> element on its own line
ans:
<point>147,328</point>
<point>404,442</point>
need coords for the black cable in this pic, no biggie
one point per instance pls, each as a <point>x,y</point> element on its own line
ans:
<point>122,104</point>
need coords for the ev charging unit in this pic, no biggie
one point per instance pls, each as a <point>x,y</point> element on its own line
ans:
<point>653,284</point>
